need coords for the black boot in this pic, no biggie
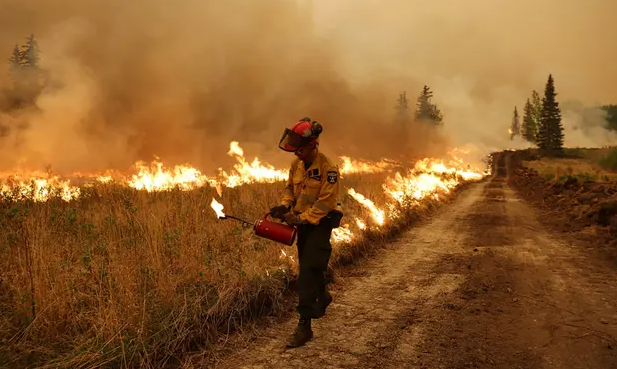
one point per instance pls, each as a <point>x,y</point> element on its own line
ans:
<point>322,304</point>
<point>325,300</point>
<point>302,334</point>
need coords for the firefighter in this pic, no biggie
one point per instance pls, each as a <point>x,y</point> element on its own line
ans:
<point>309,203</point>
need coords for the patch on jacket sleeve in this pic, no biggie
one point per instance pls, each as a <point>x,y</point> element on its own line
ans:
<point>332,176</point>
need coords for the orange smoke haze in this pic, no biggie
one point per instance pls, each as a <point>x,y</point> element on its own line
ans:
<point>182,79</point>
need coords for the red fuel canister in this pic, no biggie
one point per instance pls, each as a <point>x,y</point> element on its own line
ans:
<point>277,232</point>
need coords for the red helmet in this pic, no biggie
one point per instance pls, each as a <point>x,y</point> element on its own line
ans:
<point>302,134</point>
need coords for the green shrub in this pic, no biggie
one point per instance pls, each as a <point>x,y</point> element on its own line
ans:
<point>609,162</point>
<point>573,153</point>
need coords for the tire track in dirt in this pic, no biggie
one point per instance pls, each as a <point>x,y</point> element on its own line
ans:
<point>479,324</point>
<point>530,299</point>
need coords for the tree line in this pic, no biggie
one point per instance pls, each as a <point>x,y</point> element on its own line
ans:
<point>425,111</point>
<point>611,116</point>
<point>541,122</point>
<point>27,76</point>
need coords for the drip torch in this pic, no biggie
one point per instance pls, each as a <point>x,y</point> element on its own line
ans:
<point>265,228</point>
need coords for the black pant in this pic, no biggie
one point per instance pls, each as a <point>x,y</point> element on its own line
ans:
<point>314,250</point>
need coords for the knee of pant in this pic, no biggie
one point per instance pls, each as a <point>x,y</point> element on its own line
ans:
<point>318,272</point>
<point>311,270</point>
<point>317,259</point>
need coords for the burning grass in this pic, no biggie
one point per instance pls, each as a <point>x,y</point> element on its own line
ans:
<point>134,278</point>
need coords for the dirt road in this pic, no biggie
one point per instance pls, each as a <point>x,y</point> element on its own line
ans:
<point>482,285</point>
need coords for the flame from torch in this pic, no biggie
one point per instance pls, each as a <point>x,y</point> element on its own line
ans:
<point>218,208</point>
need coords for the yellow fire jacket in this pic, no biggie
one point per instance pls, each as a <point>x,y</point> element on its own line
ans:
<point>312,193</point>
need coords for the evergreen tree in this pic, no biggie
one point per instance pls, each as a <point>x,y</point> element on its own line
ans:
<point>403,117</point>
<point>515,127</point>
<point>27,76</point>
<point>30,53</point>
<point>423,104</point>
<point>611,116</point>
<point>550,132</point>
<point>15,61</point>
<point>402,107</point>
<point>529,129</point>
<point>16,69</point>
<point>426,111</point>
<point>436,115</point>
<point>536,108</point>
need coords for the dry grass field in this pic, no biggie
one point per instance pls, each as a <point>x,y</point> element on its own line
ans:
<point>591,164</point>
<point>134,278</point>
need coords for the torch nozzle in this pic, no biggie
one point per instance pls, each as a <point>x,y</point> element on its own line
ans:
<point>245,223</point>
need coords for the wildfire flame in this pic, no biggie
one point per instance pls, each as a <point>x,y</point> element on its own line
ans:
<point>156,178</point>
<point>285,256</point>
<point>40,186</point>
<point>428,178</point>
<point>250,173</point>
<point>377,214</point>
<point>360,224</point>
<point>350,166</point>
<point>38,189</point>
<point>105,179</point>
<point>342,234</point>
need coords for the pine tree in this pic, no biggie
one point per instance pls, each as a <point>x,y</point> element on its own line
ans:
<point>403,117</point>
<point>28,78</point>
<point>436,115</point>
<point>523,126</point>
<point>16,67</point>
<point>611,116</point>
<point>14,94</point>
<point>15,61</point>
<point>515,127</point>
<point>423,104</point>
<point>30,53</point>
<point>426,111</point>
<point>529,129</point>
<point>550,132</point>
<point>536,108</point>
<point>402,107</point>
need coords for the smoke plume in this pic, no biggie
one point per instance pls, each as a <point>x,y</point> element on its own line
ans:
<point>134,79</point>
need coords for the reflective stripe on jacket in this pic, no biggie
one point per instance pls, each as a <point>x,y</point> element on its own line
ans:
<point>312,192</point>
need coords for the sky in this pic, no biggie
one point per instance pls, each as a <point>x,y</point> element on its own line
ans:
<point>181,79</point>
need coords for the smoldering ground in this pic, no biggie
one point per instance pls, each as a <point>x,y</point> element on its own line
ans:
<point>181,79</point>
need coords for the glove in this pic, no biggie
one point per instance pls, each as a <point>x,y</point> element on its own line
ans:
<point>292,219</point>
<point>278,211</point>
